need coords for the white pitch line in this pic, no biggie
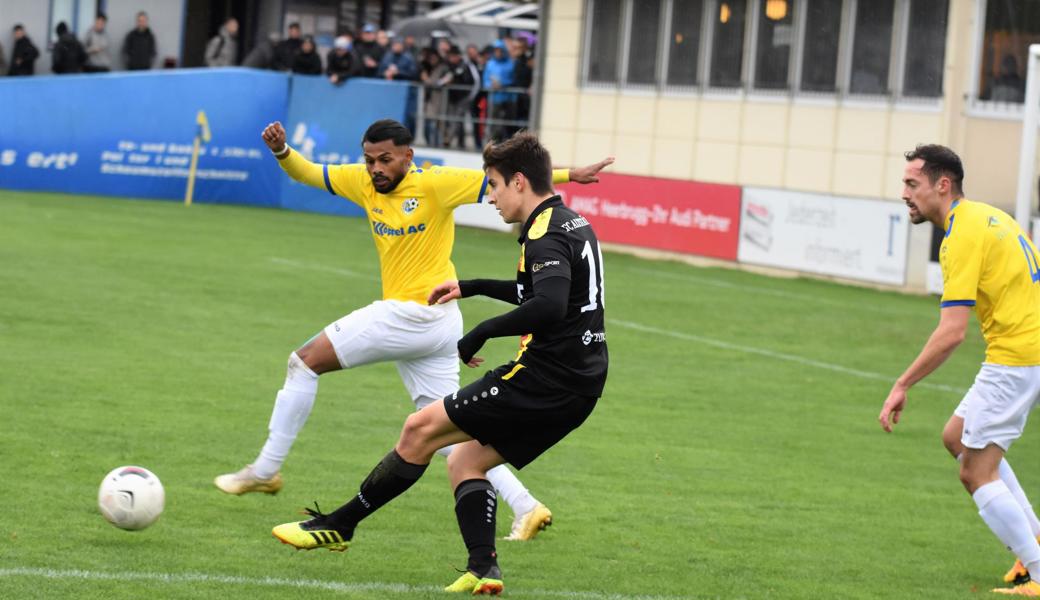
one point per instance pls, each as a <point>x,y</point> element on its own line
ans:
<point>332,586</point>
<point>777,355</point>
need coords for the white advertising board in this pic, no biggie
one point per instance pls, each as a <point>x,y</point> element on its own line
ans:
<point>475,215</point>
<point>829,235</point>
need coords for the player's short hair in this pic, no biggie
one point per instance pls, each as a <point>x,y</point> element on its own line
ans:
<point>522,153</point>
<point>939,161</point>
<point>388,129</point>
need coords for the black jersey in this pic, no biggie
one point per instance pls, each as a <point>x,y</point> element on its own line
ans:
<point>558,242</point>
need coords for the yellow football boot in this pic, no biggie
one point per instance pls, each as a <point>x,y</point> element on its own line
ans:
<point>312,534</point>
<point>245,481</point>
<point>1031,588</point>
<point>527,525</point>
<point>1018,574</point>
<point>490,584</point>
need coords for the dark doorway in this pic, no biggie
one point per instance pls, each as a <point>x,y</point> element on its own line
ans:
<point>204,18</point>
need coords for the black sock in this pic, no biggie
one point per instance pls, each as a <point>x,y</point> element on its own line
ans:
<point>391,477</point>
<point>475,504</point>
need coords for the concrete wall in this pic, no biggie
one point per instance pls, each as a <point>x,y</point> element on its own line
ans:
<point>166,16</point>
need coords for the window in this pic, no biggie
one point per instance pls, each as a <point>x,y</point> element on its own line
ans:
<point>1011,26</point>
<point>820,54</point>
<point>925,48</point>
<point>775,39</point>
<point>604,40</point>
<point>684,42</point>
<point>727,48</point>
<point>872,47</point>
<point>643,40</point>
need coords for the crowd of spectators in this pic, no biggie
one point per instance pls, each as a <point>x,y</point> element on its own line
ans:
<point>469,93</point>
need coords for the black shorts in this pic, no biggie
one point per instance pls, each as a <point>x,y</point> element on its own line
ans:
<point>517,415</point>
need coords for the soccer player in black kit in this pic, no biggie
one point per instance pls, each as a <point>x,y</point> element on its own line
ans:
<point>520,409</point>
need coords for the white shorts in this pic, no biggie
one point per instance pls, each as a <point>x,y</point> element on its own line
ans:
<point>421,339</point>
<point>996,407</point>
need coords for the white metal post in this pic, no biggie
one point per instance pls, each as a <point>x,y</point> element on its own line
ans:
<point>1027,151</point>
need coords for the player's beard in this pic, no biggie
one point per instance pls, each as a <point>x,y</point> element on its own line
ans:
<point>388,185</point>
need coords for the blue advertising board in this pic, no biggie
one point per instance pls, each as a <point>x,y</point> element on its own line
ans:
<point>131,134</point>
<point>326,124</point>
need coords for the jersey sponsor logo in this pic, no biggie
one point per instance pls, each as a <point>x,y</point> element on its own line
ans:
<point>542,265</point>
<point>382,229</point>
<point>410,205</point>
<point>573,224</point>
<point>588,337</point>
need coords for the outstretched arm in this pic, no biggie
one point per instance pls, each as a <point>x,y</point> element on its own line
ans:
<point>586,174</point>
<point>953,322</point>
<point>296,166</point>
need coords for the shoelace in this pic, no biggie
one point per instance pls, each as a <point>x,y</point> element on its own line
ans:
<point>315,513</point>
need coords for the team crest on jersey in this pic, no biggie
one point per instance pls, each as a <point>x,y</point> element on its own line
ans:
<point>410,205</point>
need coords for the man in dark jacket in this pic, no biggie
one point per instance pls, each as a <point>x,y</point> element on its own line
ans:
<point>286,50</point>
<point>139,46</point>
<point>24,53</point>
<point>341,63</point>
<point>68,55</point>
<point>369,51</point>
<point>307,62</point>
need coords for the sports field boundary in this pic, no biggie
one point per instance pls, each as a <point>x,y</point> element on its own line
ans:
<point>303,584</point>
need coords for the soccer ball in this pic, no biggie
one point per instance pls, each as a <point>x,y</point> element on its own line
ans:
<point>131,497</point>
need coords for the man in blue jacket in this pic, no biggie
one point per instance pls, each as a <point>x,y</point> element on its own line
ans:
<point>498,74</point>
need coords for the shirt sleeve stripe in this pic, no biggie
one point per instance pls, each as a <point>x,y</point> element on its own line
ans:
<point>328,183</point>
<point>956,303</point>
<point>483,187</point>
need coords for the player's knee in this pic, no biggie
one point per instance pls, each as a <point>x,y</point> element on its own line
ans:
<point>415,433</point>
<point>297,367</point>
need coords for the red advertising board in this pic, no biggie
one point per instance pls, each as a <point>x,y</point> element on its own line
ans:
<point>668,214</point>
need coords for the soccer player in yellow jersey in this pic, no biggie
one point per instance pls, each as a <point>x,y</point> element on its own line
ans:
<point>990,266</point>
<point>410,211</point>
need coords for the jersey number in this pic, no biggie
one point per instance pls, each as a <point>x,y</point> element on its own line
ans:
<point>1034,269</point>
<point>595,276</point>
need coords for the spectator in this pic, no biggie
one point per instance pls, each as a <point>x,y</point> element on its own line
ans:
<point>342,63</point>
<point>397,64</point>
<point>139,48</point>
<point>1008,85</point>
<point>523,76</point>
<point>443,46</point>
<point>383,39</point>
<point>479,106</point>
<point>68,55</point>
<point>24,53</point>
<point>498,74</point>
<point>464,80</point>
<point>286,51</point>
<point>96,42</point>
<point>432,75</point>
<point>262,56</point>
<point>307,61</point>
<point>370,52</point>
<point>410,47</point>
<point>222,50</point>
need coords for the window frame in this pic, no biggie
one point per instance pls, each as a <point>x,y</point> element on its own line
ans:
<point>793,92</point>
<point>986,109</point>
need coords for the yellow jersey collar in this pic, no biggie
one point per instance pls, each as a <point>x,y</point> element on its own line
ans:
<point>949,215</point>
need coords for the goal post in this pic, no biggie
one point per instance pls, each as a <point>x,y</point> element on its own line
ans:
<point>1027,153</point>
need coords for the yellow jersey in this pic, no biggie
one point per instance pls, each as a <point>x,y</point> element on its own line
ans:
<point>989,263</point>
<point>413,226</point>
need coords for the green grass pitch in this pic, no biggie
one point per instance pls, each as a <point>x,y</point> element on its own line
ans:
<point>735,453</point>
